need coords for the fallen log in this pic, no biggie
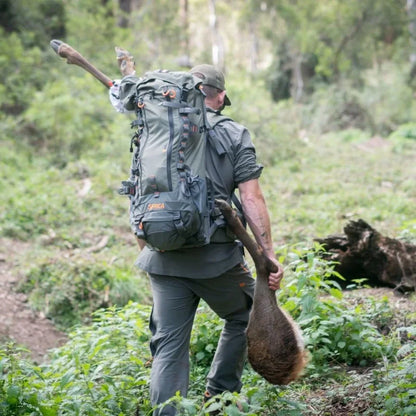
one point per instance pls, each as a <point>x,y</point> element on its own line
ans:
<point>362,252</point>
<point>275,346</point>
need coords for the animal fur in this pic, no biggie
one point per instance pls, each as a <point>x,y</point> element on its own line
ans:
<point>275,346</point>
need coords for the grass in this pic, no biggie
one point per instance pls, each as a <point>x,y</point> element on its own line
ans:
<point>333,180</point>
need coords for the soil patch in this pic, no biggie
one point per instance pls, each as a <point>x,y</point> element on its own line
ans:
<point>19,323</point>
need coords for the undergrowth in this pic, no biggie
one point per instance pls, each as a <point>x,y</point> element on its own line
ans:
<point>104,368</point>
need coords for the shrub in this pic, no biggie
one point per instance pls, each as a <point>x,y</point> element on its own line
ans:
<point>333,331</point>
<point>19,80</point>
<point>68,292</point>
<point>205,336</point>
<point>58,126</point>
<point>102,370</point>
<point>395,385</point>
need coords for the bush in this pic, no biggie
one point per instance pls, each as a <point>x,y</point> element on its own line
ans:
<point>334,332</point>
<point>19,79</point>
<point>68,292</point>
<point>102,370</point>
<point>395,385</point>
<point>66,119</point>
<point>274,126</point>
<point>205,338</point>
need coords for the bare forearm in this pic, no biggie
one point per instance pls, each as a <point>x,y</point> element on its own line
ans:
<point>257,216</point>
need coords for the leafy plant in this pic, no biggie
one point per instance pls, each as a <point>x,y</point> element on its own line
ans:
<point>69,292</point>
<point>63,152</point>
<point>333,331</point>
<point>205,336</point>
<point>102,370</point>
<point>395,385</point>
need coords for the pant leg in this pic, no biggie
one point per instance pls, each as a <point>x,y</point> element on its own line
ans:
<point>174,306</point>
<point>230,296</point>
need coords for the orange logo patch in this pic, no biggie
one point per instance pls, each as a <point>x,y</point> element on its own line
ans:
<point>160,205</point>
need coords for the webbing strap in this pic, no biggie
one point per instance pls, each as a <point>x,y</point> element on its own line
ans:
<point>216,142</point>
<point>182,167</point>
<point>183,107</point>
<point>239,207</point>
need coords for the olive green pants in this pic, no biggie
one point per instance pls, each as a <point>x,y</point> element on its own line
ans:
<point>175,301</point>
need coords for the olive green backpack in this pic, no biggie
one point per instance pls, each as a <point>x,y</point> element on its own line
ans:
<point>171,202</point>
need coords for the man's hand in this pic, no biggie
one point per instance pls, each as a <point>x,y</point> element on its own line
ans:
<point>275,277</point>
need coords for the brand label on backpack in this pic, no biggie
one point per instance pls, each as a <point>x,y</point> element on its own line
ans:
<point>159,205</point>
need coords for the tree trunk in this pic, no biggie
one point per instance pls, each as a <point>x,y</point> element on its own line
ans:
<point>254,55</point>
<point>185,58</point>
<point>125,8</point>
<point>298,78</point>
<point>411,12</point>
<point>364,253</point>
<point>217,42</point>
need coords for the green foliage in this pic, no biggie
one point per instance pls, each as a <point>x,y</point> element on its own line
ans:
<point>102,370</point>
<point>409,231</point>
<point>63,152</point>
<point>36,22</point>
<point>405,131</point>
<point>63,129</point>
<point>333,331</point>
<point>274,126</point>
<point>395,386</point>
<point>344,38</point>
<point>52,201</point>
<point>319,191</point>
<point>30,207</point>
<point>204,340</point>
<point>19,79</point>
<point>70,291</point>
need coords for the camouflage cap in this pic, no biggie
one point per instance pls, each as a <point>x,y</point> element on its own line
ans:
<point>211,76</point>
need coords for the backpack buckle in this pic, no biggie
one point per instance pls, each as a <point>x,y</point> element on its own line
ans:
<point>127,188</point>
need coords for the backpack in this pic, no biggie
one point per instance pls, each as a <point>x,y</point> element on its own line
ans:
<point>171,201</point>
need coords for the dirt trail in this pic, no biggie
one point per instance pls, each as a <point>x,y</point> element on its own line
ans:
<point>18,323</point>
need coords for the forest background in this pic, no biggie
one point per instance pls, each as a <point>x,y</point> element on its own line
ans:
<point>327,89</point>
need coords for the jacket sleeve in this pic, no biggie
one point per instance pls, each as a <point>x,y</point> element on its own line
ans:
<point>245,165</point>
<point>127,92</point>
<point>242,151</point>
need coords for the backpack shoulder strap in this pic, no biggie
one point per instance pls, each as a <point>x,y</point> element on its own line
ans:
<point>213,119</point>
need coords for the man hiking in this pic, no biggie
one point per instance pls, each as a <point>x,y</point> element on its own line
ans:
<point>216,272</point>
